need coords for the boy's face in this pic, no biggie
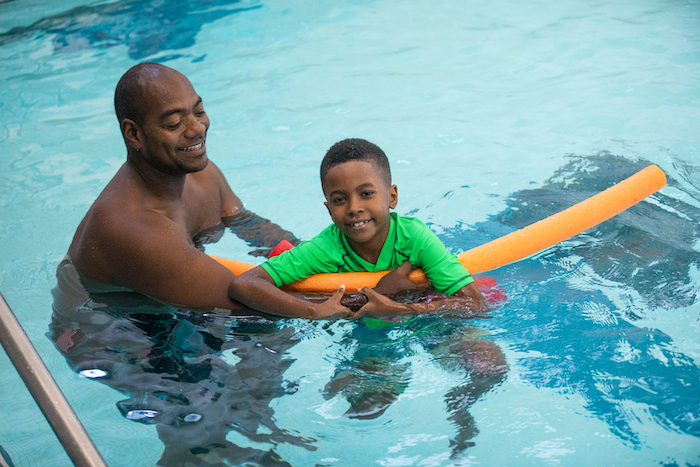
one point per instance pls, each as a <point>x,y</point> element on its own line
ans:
<point>359,201</point>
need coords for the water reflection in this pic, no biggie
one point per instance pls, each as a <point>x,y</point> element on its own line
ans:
<point>376,371</point>
<point>195,376</point>
<point>572,309</point>
<point>145,28</point>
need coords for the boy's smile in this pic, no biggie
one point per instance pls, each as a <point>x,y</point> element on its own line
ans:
<point>358,200</point>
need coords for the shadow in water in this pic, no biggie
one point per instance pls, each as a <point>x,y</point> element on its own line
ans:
<point>576,304</point>
<point>376,372</point>
<point>195,376</point>
<point>145,28</point>
<point>648,247</point>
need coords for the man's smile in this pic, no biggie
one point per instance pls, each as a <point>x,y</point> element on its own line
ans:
<point>195,147</point>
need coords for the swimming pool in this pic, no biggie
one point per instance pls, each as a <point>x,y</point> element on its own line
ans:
<point>493,115</point>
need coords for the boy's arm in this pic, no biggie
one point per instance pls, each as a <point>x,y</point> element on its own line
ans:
<point>256,289</point>
<point>472,293</point>
<point>397,281</point>
<point>468,298</point>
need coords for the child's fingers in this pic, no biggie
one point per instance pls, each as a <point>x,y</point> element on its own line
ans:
<point>358,314</point>
<point>339,293</point>
<point>367,292</point>
<point>335,301</point>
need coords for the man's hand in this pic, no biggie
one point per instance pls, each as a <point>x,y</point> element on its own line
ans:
<point>258,232</point>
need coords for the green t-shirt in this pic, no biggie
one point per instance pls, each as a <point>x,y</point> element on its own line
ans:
<point>409,239</point>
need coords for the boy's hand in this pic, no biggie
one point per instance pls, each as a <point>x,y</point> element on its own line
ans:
<point>378,303</point>
<point>332,307</point>
<point>396,281</point>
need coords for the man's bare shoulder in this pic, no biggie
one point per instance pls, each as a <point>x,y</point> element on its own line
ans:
<point>126,209</point>
<point>123,217</point>
<point>119,226</point>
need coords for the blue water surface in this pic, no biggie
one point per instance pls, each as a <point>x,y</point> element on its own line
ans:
<point>493,114</point>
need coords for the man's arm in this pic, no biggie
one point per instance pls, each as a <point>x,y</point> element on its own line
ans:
<point>151,254</point>
<point>256,289</point>
<point>231,205</point>
<point>256,231</point>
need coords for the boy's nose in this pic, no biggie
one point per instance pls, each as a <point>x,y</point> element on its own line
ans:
<point>355,206</point>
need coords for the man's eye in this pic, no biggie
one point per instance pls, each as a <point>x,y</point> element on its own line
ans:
<point>172,125</point>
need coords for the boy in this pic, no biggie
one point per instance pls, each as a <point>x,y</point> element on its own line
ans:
<point>365,236</point>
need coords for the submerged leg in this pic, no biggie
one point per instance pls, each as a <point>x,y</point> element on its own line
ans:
<point>485,366</point>
<point>370,385</point>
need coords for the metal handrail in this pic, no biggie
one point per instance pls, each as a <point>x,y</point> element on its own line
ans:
<point>46,393</point>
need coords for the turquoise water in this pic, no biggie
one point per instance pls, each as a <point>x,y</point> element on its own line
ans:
<point>493,114</point>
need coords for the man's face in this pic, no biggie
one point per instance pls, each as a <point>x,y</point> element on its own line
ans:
<point>175,125</point>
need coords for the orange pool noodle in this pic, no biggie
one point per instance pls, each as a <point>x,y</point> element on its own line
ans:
<point>512,247</point>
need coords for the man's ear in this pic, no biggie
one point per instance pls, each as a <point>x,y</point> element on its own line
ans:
<point>393,196</point>
<point>132,134</point>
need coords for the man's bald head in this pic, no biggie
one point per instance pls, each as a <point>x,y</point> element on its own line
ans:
<point>129,97</point>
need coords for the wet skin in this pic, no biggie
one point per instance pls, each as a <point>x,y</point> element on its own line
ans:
<point>173,133</point>
<point>359,200</point>
<point>138,232</point>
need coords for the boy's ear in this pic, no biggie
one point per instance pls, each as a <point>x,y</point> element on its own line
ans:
<point>325,203</point>
<point>393,196</point>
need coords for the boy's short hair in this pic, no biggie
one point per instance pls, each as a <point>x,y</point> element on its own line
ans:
<point>355,149</point>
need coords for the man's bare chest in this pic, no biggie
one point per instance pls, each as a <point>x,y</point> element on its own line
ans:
<point>201,208</point>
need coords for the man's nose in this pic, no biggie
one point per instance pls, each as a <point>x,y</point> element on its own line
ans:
<point>194,126</point>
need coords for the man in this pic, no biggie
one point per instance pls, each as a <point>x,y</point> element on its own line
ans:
<point>139,232</point>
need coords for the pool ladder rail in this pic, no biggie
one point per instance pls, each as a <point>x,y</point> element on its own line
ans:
<point>48,396</point>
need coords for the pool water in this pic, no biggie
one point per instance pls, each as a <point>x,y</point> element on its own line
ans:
<point>493,114</point>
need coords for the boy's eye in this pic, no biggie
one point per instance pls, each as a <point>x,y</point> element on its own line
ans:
<point>338,199</point>
<point>367,193</point>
